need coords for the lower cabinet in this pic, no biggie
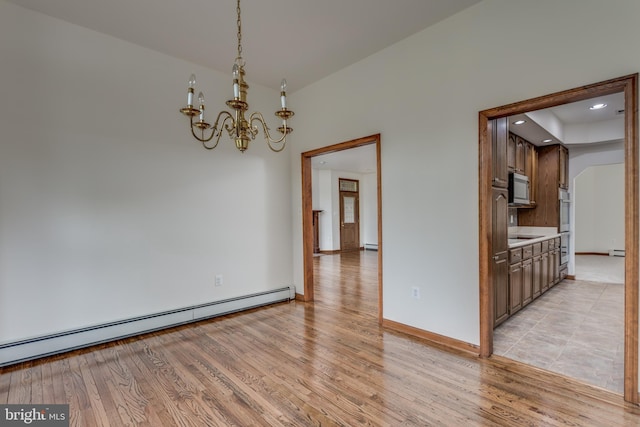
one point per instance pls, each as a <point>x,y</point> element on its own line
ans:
<point>544,275</point>
<point>537,276</point>
<point>530,271</point>
<point>501,288</point>
<point>527,281</point>
<point>515,287</point>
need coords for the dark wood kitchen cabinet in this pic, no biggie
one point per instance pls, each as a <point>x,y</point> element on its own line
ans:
<point>516,153</point>
<point>544,272</point>
<point>532,270</point>
<point>500,288</point>
<point>498,128</point>
<point>500,254</point>
<point>521,152</point>
<point>520,278</point>
<point>552,175</point>
<point>531,170</point>
<point>563,167</point>
<point>554,262</point>
<point>522,158</point>
<point>515,287</point>
<point>511,152</point>
<point>527,281</point>
<point>536,274</point>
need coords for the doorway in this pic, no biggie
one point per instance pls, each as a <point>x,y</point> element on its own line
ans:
<point>307,210</point>
<point>349,214</point>
<point>629,86</point>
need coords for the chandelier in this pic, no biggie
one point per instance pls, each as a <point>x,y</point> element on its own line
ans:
<point>239,128</point>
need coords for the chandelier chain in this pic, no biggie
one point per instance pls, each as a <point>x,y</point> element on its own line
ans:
<point>239,31</point>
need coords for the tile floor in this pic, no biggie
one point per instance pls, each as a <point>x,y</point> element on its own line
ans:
<point>576,328</point>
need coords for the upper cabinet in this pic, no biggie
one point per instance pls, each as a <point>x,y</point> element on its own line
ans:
<point>511,152</point>
<point>516,154</point>
<point>521,146</point>
<point>531,170</point>
<point>522,158</point>
<point>563,167</point>
<point>498,129</point>
<point>552,174</point>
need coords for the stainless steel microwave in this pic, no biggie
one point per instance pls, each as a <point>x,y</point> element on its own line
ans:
<point>518,189</point>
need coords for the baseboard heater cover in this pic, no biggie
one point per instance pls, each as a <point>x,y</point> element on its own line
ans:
<point>47,345</point>
<point>616,252</point>
<point>370,246</point>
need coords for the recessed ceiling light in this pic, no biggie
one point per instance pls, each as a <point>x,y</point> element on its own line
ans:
<point>519,122</point>
<point>546,141</point>
<point>597,106</point>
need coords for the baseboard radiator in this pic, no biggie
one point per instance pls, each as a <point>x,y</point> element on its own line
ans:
<point>29,349</point>
<point>616,252</point>
<point>370,246</point>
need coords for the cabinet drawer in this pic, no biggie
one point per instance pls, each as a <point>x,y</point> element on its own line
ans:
<point>552,244</point>
<point>527,252</point>
<point>515,255</point>
<point>545,246</point>
<point>537,248</point>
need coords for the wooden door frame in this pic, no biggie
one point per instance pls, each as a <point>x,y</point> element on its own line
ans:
<point>629,86</point>
<point>307,211</point>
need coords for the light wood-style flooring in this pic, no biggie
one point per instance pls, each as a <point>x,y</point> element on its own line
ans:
<point>303,364</point>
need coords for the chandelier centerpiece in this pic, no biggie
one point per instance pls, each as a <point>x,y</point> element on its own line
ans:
<point>239,128</point>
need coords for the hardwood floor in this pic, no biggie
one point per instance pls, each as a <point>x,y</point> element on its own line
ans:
<point>301,364</point>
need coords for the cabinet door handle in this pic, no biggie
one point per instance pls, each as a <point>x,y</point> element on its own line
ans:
<point>495,257</point>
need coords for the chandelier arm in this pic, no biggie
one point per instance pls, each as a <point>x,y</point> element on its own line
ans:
<point>267,136</point>
<point>214,130</point>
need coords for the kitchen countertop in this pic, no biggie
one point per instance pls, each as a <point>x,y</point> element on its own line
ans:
<point>526,240</point>
<point>523,236</point>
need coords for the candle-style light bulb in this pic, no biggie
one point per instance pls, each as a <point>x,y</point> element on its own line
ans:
<point>283,94</point>
<point>201,101</point>
<point>192,84</point>
<point>236,83</point>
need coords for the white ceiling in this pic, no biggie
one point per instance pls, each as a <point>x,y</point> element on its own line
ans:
<point>605,125</point>
<point>302,40</point>
<point>360,160</point>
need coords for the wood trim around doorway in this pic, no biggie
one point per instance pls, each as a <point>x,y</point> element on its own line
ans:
<point>629,86</point>
<point>307,211</point>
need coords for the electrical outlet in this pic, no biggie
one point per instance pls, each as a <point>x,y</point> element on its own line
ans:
<point>415,292</point>
<point>219,280</point>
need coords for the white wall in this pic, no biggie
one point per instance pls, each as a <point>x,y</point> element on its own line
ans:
<point>108,208</point>
<point>599,208</point>
<point>369,212</point>
<point>325,220</point>
<point>582,157</point>
<point>423,95</point>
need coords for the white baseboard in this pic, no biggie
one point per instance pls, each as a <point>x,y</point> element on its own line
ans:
<point>23,350</point>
